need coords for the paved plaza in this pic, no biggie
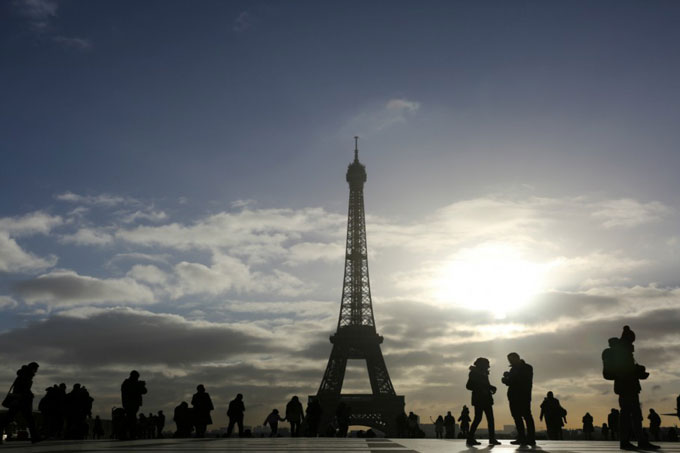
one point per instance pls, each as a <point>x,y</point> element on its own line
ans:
<point>286,444</point>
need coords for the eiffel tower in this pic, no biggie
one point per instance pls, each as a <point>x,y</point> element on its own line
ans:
<point>356,336</point>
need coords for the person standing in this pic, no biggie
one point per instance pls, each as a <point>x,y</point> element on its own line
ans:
<point>588,427</point>
<point>235,414</point>
<point>654,424</point>
<point>19,400</point>
<point>202,405</point>
<point>519,381</point>
<point>555,416</point>
<point>439,427</point>
<point>294,415</point>
<point>627,375</point>
<point>482,400</point>
<point>131,392</point>
<point>450,426</point>
<point>613,421</point>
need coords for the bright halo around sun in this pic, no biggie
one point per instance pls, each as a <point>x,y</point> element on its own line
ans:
<point>491,277</point>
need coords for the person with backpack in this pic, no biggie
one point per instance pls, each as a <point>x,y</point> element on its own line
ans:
<point>19,400</point>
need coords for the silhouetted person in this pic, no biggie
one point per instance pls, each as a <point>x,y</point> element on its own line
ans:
<point>588,427</point>
<point>131,392</point>
<point>605,431</point>
<point>294,415</point>
<point>613,420</point>
<point>627,375</point>
<point>464,420</point>
<point>413,428</point>
<point>482,399</point>
<point>313,417</point>
<point>20,400</point>
<point>450,426</point>
<point>202,405</point>
<point>439,427</point>
<point>97,429</point>
<point>182,419</point>
<point>160,424</point>
<point>555,416</point>
<point>343,414</point>
<point>273,420</point>
<point>654,424</point>
<point>519,381</point>
<point>235,414</point>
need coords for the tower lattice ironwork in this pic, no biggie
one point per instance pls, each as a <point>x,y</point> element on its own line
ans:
<point>356,336</point>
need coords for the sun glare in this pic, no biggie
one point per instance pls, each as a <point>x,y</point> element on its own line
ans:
<point>490,277</point>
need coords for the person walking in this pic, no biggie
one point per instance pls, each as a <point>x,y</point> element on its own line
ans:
<point>482,400</point>
<point>235,414</point>
<point>19,400</point>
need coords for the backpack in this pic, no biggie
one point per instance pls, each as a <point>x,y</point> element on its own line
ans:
<point>609,364</point>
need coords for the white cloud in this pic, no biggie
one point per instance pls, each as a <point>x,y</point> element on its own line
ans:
<point>305,252</point>
<point>382,116</point>
<point>628,213</point>
<point>7,302</point>
<point>152,215</point>
<point>65,288</point>
<point>36,222</point>
<point>105,200</point>
<point>82,44</point>
<point>38,12</point>
<point>14,259</point>
<point>88,236</point>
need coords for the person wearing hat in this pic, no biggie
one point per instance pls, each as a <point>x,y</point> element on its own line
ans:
<point>482,400</point>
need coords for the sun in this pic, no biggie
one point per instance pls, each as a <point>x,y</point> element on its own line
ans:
<point>493,277</point>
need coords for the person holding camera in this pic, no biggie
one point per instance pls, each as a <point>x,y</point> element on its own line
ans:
<point>519,381</point>
<point>482,399</point>
<point>627,375</point>
<point>131,391</point>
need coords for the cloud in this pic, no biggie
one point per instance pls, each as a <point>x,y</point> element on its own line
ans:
<point>36,222</point>
<point>88,236</point>
<point>125,336</point>
<point>14,259</point>
<point>81,44</point>
<point>152,215</point>
<point>64,288</point>
<point>628,213</point>
<point>7,302</point>
<point>382,116</point>
<point>105,200</point>
<point>38,12</point>
<point>243,22</point>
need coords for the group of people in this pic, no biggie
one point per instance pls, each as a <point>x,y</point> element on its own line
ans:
<point>64,414</point>
<point>519,380</point>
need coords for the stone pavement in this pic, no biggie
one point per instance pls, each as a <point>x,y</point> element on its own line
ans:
<point>287,444</point>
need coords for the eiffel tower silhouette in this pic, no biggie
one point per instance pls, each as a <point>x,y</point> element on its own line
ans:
<point>356,336</point>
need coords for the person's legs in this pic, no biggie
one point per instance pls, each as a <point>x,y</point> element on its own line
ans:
<point>475,422</point>
<point>531,428</point>
<point>239,422</point>
<point>490,423</point>
<point>517,413</point>
<point>230,428</point>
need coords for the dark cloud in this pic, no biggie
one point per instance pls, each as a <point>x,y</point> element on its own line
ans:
<point>121,336</point>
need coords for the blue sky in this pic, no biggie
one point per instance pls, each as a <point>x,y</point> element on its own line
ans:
<point>182,164</point>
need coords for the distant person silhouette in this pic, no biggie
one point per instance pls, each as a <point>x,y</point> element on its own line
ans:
<point>654,424</point>
<point>605,431</point>
<point>439,427</point>
<point>202,405</point>
<point>294,415</point>
<point>464,420</point>
<point>97,429</point>
<point>450,425</point>
<point>313,417</point>
<point>160,424</point>
<point>19,400</point>
<point>588,427</point>
<point>555,416</point>
<point>235,414</point>
<point>413,428</point>
<point>273,420</point>
<point>131,392</point>
<point>182,419</point>
<point>519,381</point>
<point>613,420</point>
<point>482,400</point>
<point>343,415</point>
<point>619,363</point>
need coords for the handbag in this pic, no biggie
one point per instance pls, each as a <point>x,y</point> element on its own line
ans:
<point>12,399</point>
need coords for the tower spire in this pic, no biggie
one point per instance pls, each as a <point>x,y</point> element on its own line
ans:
<point>356,148</point>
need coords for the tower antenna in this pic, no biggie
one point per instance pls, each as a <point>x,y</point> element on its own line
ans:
<point>356,148</point>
